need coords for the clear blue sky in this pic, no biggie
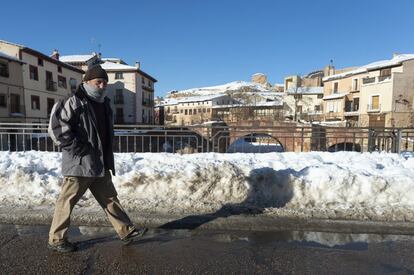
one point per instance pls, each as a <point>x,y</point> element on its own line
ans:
<point>197,43</point>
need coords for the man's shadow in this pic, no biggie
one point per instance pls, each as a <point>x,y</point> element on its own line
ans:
<point>268,188</point>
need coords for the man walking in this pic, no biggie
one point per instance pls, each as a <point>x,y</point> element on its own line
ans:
<point>82,127</point>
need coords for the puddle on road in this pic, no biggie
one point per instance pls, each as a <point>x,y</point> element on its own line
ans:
<point>301,238</point>
<point>314,239</point>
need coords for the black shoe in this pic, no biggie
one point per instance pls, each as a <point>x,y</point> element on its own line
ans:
<point>63,247</point>
<point>134,234</point>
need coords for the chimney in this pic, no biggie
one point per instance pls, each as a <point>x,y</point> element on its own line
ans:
<point>137,64</point>
<point>55,54</point>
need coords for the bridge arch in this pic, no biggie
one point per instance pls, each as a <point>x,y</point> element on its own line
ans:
<point>255,142</point>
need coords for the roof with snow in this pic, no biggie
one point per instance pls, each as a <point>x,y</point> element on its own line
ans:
<point>9,57</point>
<point>335,96</point>
<point>116,67</point>
<point>43,56</point>
<point>305,90</point>
<point>396,60</point>
<point>110,66</point>
<point>113,59</point>
<point>76,58</point>
<point>174,101</point>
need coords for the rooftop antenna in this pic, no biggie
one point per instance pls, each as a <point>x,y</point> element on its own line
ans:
<point>99,45</point>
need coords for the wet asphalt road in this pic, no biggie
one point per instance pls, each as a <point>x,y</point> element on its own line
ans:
<point>23,250</point>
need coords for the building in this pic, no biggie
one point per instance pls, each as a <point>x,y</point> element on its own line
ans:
<point>192,110</point>
<point>129,84</point>
<point>230,102</point>
<point>131,90</point>
<point>379,94</point>
<point>342,97</point>
<point>303,96</point>
<point>45,80</point>
<point>12,107</point>
<point>304,103</point>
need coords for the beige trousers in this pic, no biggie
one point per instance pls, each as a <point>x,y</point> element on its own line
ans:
<point>104,192</point>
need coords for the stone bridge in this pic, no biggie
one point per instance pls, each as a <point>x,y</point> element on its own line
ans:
<point>298,137</point>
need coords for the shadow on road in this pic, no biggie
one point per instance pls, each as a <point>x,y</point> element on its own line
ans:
<point>267,188</point>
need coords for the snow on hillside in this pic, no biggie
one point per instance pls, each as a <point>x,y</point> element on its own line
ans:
<point>220,89</point>
<point>348,185</point>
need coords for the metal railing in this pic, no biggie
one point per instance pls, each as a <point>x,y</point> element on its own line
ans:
<point>368,80</point>
<point>51,85</point>
<point>224,139</point>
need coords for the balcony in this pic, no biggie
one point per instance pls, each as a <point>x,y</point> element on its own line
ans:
<point>51,85</point>
<point>119,99</point>
<point>384,78</point>
<point>368,80</point>
<point>374,108</point>
<point>147,88</point>
<point>147,102</point>
<point>17,110</point>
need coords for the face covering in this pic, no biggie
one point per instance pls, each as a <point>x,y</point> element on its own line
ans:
<point>95,93</point>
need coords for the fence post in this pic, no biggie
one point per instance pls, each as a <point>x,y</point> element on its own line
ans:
<point>24,141</point>
<point>371,140</point>
<point>302,139</point>
<point>209,129</point>
<point>397,140</point>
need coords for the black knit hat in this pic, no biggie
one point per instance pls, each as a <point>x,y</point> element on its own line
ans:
<point>95,72</point>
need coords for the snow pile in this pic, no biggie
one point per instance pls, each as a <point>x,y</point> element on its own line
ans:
<point>349,185</point>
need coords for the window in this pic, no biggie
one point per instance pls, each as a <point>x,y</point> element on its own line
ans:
<point>40,62</point>
<point>4,69</point>
<point>59,69</point>
<point>317,108</point>
<point>73,84</point>
<point>375,105</point>
<point>191,112</point>
<point>208,110</point>
<point>50,103</point>
<point>119,96</point>
<point>35,102</point>
<point>143,80</point>
<point>168,110</point>
<point>119,116</point>
<point>181,111</point>
<point>33,72</point>
<point>356,104</point>
<point>355,84</point>
<point>3,100</point>
<point>15,106</point>
<point>50,84</point>
<point>119,75</point>
<point>335,87</point>
<point>186,112</point>
<point>62,81</point>
<point>320,96</point>
<point>385,74</point>
<point>204,110</point>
